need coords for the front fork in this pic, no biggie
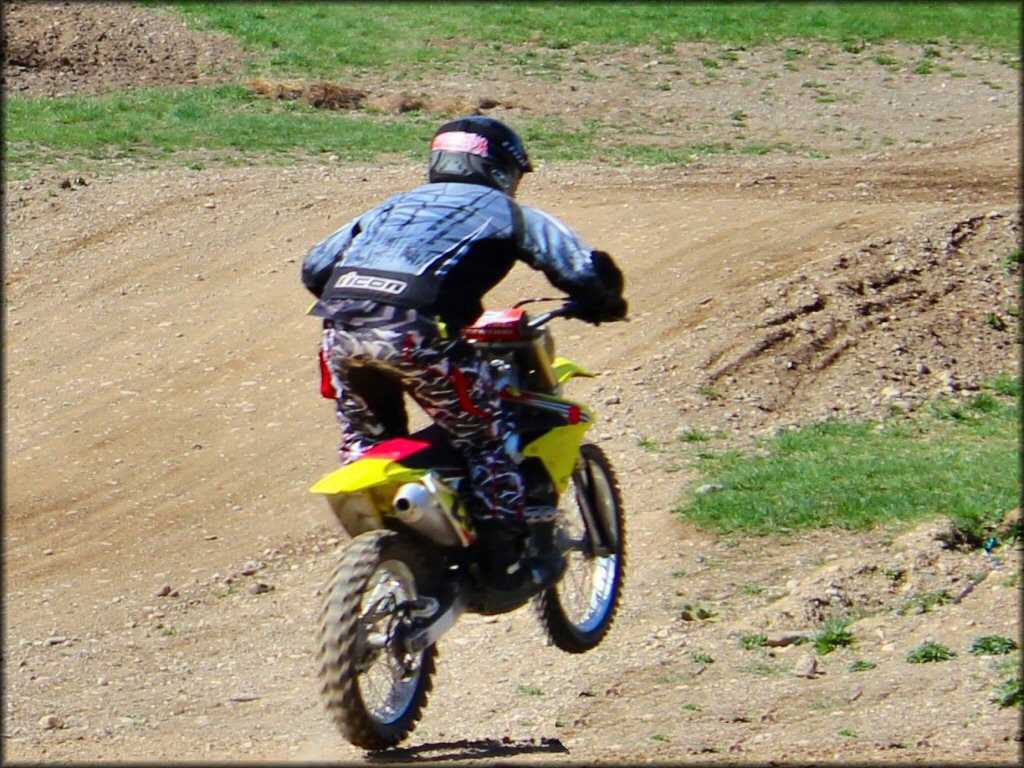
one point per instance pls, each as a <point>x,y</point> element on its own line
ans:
<point>601,543</point>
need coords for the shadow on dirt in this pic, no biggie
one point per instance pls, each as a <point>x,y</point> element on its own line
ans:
<point>465,749</point>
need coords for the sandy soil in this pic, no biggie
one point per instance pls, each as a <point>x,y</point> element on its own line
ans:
<point>163,560</point>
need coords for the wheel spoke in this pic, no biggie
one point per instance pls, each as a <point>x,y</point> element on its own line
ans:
<point>389,686</point>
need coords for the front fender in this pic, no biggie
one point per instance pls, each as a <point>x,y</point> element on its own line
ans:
<point>559,450</point>
<point>565,369</point>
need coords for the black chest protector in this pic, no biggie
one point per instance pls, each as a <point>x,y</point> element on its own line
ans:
<point>438,248</point>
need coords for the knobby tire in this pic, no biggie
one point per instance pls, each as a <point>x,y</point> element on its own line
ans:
<point>601,578</point>
<point>340,643</point>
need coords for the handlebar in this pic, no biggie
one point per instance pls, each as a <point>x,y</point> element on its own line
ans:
<point>541,320</point>
<point>568,309</point>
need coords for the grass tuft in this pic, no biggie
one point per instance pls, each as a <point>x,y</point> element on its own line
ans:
<point>834,634</point>
<point>993,645</point>
<point>1009,693</point>
<point>924,602</point>
<point>750,640</point>
<point>930,651</point>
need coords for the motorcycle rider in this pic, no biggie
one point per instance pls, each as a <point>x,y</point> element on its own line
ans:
<point>396,285</point>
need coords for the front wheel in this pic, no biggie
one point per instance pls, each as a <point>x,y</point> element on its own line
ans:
<point>373,688</point>
<point>590,529</point>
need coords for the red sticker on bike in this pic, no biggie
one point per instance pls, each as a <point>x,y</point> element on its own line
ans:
<point>396,449</point>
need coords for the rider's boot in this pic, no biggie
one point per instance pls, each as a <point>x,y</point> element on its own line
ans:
<point>503,566</point>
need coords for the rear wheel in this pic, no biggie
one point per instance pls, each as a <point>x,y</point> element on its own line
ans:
<point>373,688</point>
<point>590,529</point>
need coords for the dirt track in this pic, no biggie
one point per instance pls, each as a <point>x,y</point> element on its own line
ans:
<point>163,424</point>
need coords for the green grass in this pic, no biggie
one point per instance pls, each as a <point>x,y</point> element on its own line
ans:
<point>993,645</point>
<point>832,635</point>
<point>321,39</point>
<point>413,41</point>
<point>648,444</point>
<point>924,602</point>
<point>751,640</point>
<point>929,652</point>
<point>862,665</point>
<point>1006,385</point>
<point>959,460</point>
<point>232,124</point>
<point>158,122</point>
<point>1009,693</point>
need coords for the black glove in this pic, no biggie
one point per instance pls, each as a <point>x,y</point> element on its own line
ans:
<point>612,306</point>
<point>603,311</point>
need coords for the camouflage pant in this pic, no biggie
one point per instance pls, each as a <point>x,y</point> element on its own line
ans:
<point>374,363</point>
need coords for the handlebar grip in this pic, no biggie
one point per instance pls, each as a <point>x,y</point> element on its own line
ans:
<point>566,310</point>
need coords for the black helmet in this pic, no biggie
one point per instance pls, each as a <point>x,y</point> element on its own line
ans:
<point>478,150</point>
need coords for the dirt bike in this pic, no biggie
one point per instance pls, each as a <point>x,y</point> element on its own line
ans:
<point>410,569</point>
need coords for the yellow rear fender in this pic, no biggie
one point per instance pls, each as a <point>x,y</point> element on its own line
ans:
<point>364,474</point>
<point>381,465</point>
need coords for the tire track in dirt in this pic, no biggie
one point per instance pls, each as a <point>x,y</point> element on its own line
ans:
<point>888,286</point>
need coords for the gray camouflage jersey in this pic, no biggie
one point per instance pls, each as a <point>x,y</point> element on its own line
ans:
<point>440,248</point>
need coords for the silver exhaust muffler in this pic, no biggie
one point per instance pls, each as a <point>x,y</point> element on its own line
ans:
<point>429,506</point>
